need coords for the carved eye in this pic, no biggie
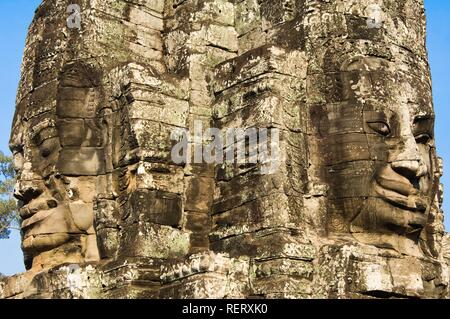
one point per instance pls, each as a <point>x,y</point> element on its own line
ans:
<point>47,148</point>
<point>423,139</point>
<point>45,152</point>
<point>380,127</point>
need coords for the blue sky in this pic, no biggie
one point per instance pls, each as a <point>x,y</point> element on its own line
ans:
<point>16,15</point>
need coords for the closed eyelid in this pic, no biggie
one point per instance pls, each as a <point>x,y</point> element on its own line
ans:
<point>380,127</point>
<point>423,126</point>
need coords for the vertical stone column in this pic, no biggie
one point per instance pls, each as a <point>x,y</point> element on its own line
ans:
<point>261,215</point>
<point>148,103</point>
<point>199,35</point>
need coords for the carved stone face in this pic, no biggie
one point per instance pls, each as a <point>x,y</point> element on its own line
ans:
<point>380,155</point>
<point>57,157</point>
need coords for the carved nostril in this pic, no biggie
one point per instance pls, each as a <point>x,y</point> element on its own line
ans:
<point>52,203</point>
<point>415,181</point>
<point>409,170</point>
<point>26,195</point>
<point>18,195</point>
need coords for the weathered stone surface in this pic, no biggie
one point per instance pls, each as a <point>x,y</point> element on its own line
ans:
<point>352,208</point>
<point>366,272</point>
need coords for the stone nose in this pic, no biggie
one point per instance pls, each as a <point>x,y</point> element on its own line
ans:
<point>406,167</point>
<point>407,160</point>
<point>413,170</point>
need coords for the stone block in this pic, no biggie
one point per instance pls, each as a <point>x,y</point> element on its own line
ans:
<point>71,132</point>
<point>248,16</point>
<point>77,102</point>
<point>154,207</point>
<point>81,161</point>
<point>199,194</point>
<point>155,241</point>
<point>107,242</point>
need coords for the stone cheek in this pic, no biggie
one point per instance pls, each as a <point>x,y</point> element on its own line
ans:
<point>109,214</point>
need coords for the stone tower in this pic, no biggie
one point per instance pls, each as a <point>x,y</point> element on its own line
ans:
<point>337,194</point>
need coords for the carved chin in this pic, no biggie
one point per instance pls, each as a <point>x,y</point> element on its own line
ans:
<point>387,226</point>
<point>381,217</point>
<point>47,230</point>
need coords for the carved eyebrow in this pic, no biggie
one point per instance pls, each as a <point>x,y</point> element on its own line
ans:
<point>42,127</point>
<point>421,118</point>
<point>374,116</point>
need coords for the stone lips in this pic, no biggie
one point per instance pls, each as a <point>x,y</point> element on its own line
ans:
<point>353,210</point>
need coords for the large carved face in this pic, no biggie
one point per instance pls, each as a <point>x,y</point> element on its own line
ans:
<point>58,155</point>
<point>379,154</point>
